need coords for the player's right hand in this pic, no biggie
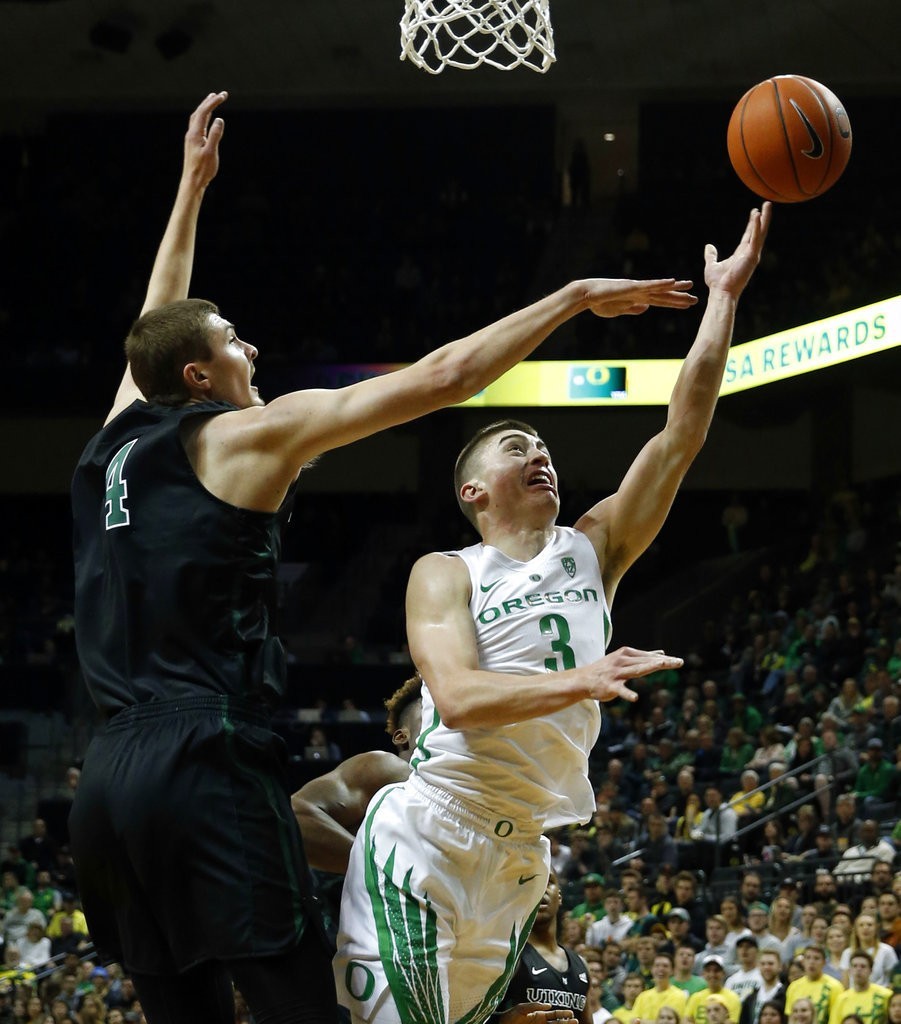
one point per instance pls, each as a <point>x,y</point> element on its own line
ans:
<point>608,297</point>
<point>532,1013</point>
<point>607,677</point>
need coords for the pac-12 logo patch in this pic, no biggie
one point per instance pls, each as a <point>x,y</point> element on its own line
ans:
<point>569,565</point>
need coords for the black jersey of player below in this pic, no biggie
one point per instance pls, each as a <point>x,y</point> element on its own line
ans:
<point>536,981</point>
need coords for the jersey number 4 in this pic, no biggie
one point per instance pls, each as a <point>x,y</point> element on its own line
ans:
<point>117,513</point>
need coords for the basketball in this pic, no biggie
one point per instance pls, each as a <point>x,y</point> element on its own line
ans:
<point>789,139</point>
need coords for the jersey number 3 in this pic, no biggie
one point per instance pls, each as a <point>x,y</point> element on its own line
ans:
<point>556,627</point>
<point>117,513</point>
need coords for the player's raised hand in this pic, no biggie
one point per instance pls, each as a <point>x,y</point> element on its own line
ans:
<point>202,141</point>
<point>733,273</point>
<point>609,675</point>
<point>609,297</point>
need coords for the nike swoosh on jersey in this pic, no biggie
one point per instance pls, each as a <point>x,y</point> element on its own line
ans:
<point>538,970</point>
<point>485,589</point>
<point>528,878</point>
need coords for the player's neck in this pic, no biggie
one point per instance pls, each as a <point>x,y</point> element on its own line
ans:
<point>520,541</point>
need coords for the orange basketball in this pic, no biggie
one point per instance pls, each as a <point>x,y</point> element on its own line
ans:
<point>789,139</point>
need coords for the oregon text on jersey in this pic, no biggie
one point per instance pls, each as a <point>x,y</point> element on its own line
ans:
<point>520,604</point>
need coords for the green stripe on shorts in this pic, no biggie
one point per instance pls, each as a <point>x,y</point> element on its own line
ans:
<point>408,943</point>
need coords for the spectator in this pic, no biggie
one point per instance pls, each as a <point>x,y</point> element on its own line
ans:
<point>34,948</point>
<point>865,938</point>
<point>663,993</point>
<point>730,909</point>
<point>593,899</point>
<point>865,998</point>
<point>23,913</point>
<point>748,977</point>
<point>633,986</point>
<point>758,924</point>
<point>39,848</point>
<point>770,992</point>
<point>613,925</point>
<point>846,827</point>
<point>825,892</point>
<point>780,923</point>
<point>816,986</point>
<point>678,924</point>
<point>857,861</point>
<point>714,973</point>
<point>834,772</point>
<point>657,849</point>
<point>835,946</point>
<point>874,777</point>
<point>750,890</point>
<point>684,976</point>
<point>716,946</point>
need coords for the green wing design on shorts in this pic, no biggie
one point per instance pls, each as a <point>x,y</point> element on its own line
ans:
<point>408,942</point>
<point>496,993</point>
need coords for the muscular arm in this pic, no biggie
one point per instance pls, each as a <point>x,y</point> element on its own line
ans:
<point>266,447</point>
<point>330,809</point>
<point>442,641</point>
<point>171,274</point>
<point>622,526</point>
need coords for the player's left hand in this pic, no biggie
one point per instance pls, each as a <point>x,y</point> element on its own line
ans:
<point>202,141</point>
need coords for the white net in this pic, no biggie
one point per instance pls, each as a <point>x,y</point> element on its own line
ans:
<point>504,34</point>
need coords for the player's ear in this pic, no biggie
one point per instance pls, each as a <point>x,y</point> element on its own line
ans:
<point>401,738</point>
<point>471,491</point>
<point>195,378</point>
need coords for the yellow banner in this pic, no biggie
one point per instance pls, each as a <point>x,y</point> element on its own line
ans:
<point>836,339</point>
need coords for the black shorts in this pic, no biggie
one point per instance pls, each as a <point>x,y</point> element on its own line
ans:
<point>185,845</point>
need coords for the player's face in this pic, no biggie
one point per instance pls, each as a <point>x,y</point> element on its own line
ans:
<point>549,906</point>
<point>230,368</point>
<point>515,467</point>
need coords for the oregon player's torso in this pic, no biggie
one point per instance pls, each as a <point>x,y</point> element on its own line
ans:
<point>538,981</point>
<point>545,615</point>
<point>175,590</point>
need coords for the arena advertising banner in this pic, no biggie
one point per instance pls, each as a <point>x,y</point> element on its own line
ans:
<point>815,346</point>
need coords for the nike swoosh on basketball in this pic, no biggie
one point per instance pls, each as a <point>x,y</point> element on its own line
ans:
<point>522,880</point>
<point>816,144</point>
<point>538,970</point>
<point>485,589</point>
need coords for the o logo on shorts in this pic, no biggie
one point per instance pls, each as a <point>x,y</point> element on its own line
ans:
<point>369,985</point>
<point>503,828</point>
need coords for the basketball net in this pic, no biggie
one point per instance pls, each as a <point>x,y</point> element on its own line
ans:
<point>435,34</point>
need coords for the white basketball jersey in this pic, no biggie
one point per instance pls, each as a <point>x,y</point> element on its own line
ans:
<point>544,615</point>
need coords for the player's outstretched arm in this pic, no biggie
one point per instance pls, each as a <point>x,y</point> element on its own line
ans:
<point>330,808</point>
<point>442,645</point>
<point>280,438</point>
<point>623,525</point>
<point>171,273</point>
